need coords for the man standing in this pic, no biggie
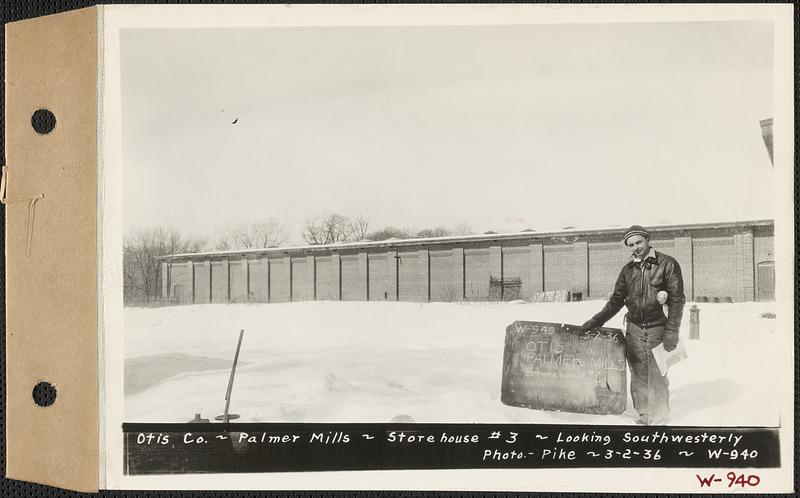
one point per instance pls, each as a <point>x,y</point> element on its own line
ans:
<point>648,273</point>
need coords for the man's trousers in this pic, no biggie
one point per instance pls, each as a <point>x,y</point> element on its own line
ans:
<point>649,389</point>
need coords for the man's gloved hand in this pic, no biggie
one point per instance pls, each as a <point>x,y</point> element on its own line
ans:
<point>589,325</point>
<point>671,340</point>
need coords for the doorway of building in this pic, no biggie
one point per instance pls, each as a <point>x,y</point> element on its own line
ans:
<point>177,293</point>
<point>765,281</point>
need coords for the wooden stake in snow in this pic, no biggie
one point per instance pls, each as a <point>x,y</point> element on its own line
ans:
<point>230,381</point>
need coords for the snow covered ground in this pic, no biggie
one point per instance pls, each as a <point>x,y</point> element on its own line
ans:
<point>437,362</point>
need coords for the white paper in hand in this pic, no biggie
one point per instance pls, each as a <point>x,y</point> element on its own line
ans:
<point>665,359</point>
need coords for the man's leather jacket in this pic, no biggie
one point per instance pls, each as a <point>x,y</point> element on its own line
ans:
<point>637,287</point>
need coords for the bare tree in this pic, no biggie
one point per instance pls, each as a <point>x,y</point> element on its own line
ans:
<point>327,229</point>
<point>262,234</point>
<point>331,228</point>
<point>359,226</point>
<point>141,267</point>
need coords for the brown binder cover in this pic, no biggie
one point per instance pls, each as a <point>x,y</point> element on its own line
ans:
<point>51,276</point>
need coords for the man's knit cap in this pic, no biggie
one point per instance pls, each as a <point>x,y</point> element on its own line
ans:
<point>635,230</point>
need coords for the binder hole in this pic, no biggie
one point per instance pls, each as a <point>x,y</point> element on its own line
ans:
<point>43,121</point>
<point>44,394</point>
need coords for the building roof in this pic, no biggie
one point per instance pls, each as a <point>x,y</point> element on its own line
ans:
<point>392,243</point>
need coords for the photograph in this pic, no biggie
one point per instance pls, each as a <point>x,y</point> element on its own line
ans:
<point>556,223</point>
<point>402,247</point>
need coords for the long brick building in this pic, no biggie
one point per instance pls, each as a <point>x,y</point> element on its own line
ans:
<point>720,262</point>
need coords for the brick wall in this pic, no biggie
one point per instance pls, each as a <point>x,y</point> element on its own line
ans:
<point>537,272</point>
<point>181,281</point>
<point>744,266</point>
<point>413,277</point>
<point>580,268</point>
<point>763,248</point>
<point>606,259</point>
<point>444,287</point>
<point>354,277</point>
<point>279,280</point>
<point>219,281</point>
<point>716,262</point>
<point>476,274</point>
<point>496,262</point>
<point>202,282</point>
<point>237,272</point>
<point>558,267</point>
<point>382,276</point>
<point>303,279</point>
<point>714,267</point>
<point>164,278</point>
<point>683,252</point>
<point>517,263</point>
<point>259,280</point>
<point>328,278</point>
<point>459,273</point>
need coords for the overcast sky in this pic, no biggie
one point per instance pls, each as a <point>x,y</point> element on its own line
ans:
<point>502,128</point>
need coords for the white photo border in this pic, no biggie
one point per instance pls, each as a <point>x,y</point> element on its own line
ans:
<point>114,18</point>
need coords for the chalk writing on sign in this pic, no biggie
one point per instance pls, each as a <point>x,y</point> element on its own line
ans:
<point>551,366</point>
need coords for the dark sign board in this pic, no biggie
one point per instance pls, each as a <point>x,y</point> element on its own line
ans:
<point>553,366</point>
<point>152,449</point>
